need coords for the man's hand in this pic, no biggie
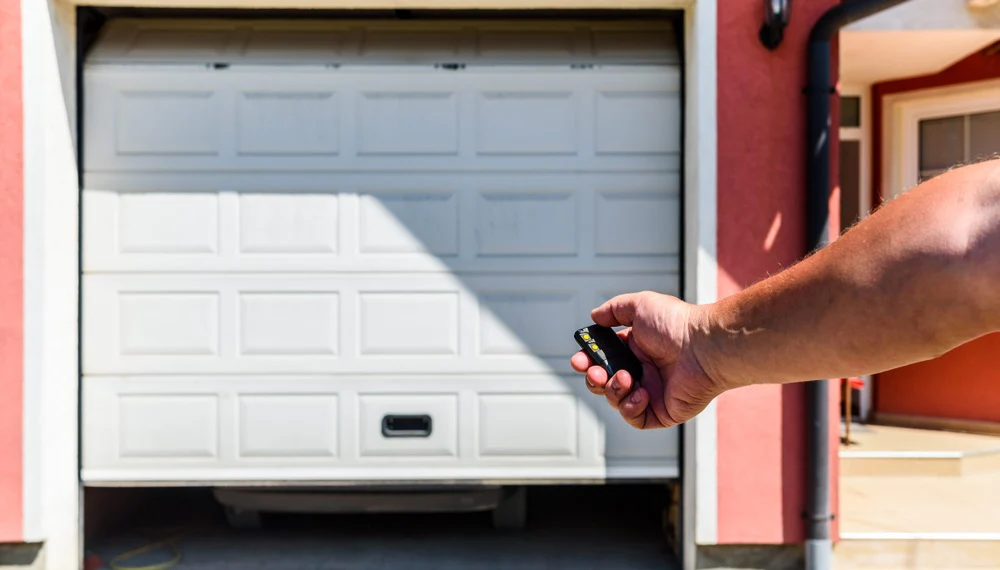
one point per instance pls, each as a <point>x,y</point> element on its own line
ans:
<point>675,386</point>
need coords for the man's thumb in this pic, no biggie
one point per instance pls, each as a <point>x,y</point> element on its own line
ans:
<point>617,311</point>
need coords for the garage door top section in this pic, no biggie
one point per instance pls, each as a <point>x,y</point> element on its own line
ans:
<point>385,43</point>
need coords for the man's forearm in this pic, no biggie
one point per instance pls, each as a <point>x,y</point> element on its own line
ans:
<point>914,280</point>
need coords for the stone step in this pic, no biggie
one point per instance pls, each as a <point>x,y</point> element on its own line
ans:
<point>877,450</point>
<point>899,551</point>
<point>937,463</point>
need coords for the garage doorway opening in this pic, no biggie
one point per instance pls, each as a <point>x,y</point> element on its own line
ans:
<point>566,527</point>
<point>410,185</point>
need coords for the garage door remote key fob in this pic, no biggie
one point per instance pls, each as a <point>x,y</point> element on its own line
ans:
<point>607,350</point>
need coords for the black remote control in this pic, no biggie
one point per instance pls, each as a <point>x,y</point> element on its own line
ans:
<point>607,350</point>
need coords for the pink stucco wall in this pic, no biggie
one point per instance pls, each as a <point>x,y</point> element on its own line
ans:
<point>761,216</point>
<point>11,272</point>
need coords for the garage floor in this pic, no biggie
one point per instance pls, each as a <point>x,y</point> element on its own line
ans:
<point>583,527</point>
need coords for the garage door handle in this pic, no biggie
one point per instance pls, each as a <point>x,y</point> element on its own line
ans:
<point>406,426</point>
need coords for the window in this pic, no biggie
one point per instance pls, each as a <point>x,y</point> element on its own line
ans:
<point>956,139</point>
<point>854,200</point>
<point>850,111</point>
<point>928,131</point>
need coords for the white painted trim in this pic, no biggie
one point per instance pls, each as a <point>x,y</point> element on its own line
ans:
<point>700,462</point>
<point>863,134</point>
<point>268,476</point>
<point>32,80</point>
<point>51,190</point>
<point>902,454</point>
<point>920,535</point>
<point>902,115</point>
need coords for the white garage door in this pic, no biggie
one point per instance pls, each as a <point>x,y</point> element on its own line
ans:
<point>313,252</point>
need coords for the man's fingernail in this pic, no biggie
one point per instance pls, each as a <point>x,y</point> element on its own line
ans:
<point>615,385</point>
<point>636,397</point>
<point>589,383</point>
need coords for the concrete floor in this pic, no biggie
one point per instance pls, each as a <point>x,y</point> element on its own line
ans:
<point>578,528</point>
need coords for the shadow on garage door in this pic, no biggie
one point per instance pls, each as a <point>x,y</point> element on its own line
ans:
<point>567,527</point>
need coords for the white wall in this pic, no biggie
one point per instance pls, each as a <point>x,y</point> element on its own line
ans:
<point>51,478</point>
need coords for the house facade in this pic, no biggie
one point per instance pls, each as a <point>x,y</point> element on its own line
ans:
<point>168,249</point>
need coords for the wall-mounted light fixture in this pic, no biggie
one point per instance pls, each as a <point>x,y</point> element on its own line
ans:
<point>775,19</point>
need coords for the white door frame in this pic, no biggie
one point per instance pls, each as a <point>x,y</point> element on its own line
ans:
<point>902,114</point>
<point>863,135</point>
<point>52,488</point>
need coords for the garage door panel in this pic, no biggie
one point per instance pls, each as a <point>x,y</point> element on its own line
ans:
<point>167,122</point>
<point>282,253</point>
<point>631,223</point>
<point>163,222</point>
<point>378,222</point>
<point>527,223</point>
<point>328,428</point>
<point>612,119</point>
<point>387,41</point>
<point>300,323</point>
<point>287,223</point>
<point>526,322</point>
<point>407,123</point>
<point>168,323</point>
<point>365,323</point>
<point>288,122</point>
<point>288,426</point>
<point>527,122</point>
<point>168,426</point>
<point>638,121</point>
<point>409,221</point>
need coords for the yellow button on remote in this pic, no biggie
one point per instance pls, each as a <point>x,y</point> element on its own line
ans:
<point>593,346</point>
<point>586,337</point>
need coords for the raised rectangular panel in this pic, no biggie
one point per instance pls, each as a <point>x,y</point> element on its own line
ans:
<point>441,442</point>
<point>156,42</point>
<point>526,223</point>
<point>167,123</point>
<point>152,222</point>
<point>168,323</point>
<point>161,425</point>
<point>289,323</point>
<point>526,322</point>
<point>632,45</point>
<point>409,222</point>
<point>280,425</point>
<point>527,425</point>
<point>417,45</point>
<point>526,123</point>
<point>288,223</point>
<point>638,122</point>
<point>637,223</point>
<point>273,44</point>
<point>623,442</point>
<point>407,323</point>
<point>408,122</point>
<point>519,43</point>
<point>288,123</point>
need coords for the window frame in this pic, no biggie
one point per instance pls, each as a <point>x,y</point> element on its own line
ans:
<point>862,134</point>
<point>901,123</point>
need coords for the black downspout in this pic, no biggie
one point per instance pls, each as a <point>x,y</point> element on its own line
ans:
<point>819,555</point>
